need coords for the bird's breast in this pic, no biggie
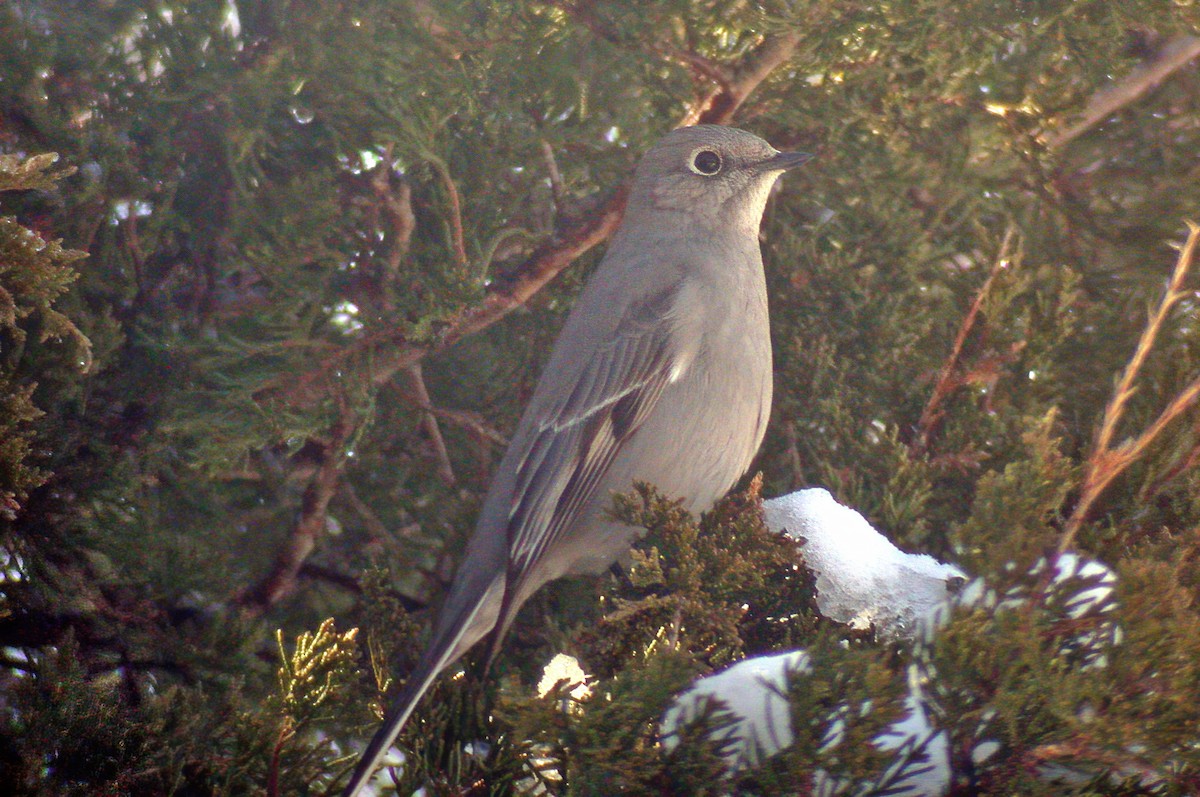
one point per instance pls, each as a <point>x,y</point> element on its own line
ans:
<point>711,419</point>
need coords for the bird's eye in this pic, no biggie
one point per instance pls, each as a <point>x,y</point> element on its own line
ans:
<point>706,162</point>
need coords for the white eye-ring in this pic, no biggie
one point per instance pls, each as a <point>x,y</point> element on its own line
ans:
<point>705,162</point>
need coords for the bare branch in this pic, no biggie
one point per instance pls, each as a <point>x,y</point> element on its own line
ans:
<point>1125,389</point>
<point>133,246</point>
<point>701,67</point>
<point>396,207</point>
<point>376,528</point>
<point>451,42</point>
<point>456,223</point>
<point>723,102</point>
<point>1173,56</point>
<point>556,186</point>
<point>310,522</point>
<point>352,585</point>
<point>1182,465</point>
<point>1105,462</point>
<point>471,421</point>
<point>429,424</point>
<point>1074,751</point>
<point>945,382</point>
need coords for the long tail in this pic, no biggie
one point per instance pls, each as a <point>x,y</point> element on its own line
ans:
<point>452,639</point>
<point>418,684</point>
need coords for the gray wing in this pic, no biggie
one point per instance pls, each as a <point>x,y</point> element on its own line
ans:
<point>580,434</point>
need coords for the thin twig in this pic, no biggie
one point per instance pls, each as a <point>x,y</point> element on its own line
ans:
<point>700,66</point>
<point>945,382</point>
<point>456,223</point>
<point>1173,56</point>
<point>429,424</point>
<point>286,732</point>
<point>720,104</point>
<point>376,528</point>
<point>792,455</point>
<point>352,585</point>
<point>1073,751</point>
<point>310,522</point>
<point>396,207</point>
<point>133,245</point>
<point>1125,388</point>
<point>1181,466</point>
<point>471,421</point>
<point>556,186</point>
<point>1105,462</point>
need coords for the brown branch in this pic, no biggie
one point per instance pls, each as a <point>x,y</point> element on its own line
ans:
<point>452,43</point>
<point>341,580</point>
<point>471,421</point>
<point>310,522</point>
<point>1173,56</point>
<point>376,528</point>
<point>396,207</point>
<point>1181,466</point>
<point>429,424</point>
<point>792,455</point>
<point>1074,751</point>
<point>723,102</point>
<point>946,382</point>
<point>457,238</point>
<point>427,19</point>
<point>391,353</point>
<point>349,583</point>
<point>1105,462</point>
<point>133,245</point>
<point>556,184</point>
<point>700,67</point>
<point>286,731</point>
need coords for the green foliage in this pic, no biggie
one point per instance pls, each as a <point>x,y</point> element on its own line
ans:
<point>211,429</point>
<point>720,588</point>
<point>79,724</point>
<point>848,699</point>
<point>610,747</point>
<point>311,679</point>
<point>34,273</point>
<point>1014,512</point>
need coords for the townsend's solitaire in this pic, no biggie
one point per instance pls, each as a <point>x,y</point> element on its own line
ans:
<point>661,374</point>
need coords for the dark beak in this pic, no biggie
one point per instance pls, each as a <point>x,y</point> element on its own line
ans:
<point>787,160</point>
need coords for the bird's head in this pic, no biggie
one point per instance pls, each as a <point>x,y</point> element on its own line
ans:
<point>716,175</point>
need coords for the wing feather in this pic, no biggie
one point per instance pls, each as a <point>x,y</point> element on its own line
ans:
<point>576,440</point>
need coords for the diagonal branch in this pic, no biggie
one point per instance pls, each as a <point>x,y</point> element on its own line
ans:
<point>1173,56</point>
<point>724,100</point>
<point>1106,462</point>
<point>945,381</point>
<point>456,223</point>
<point>429,424</point>
<point>310,522</point>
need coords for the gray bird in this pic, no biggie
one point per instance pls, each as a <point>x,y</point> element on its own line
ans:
<point>662,374</point>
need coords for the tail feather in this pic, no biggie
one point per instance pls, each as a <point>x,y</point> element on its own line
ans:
<point>418,684</point>
<point>456,634</point>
